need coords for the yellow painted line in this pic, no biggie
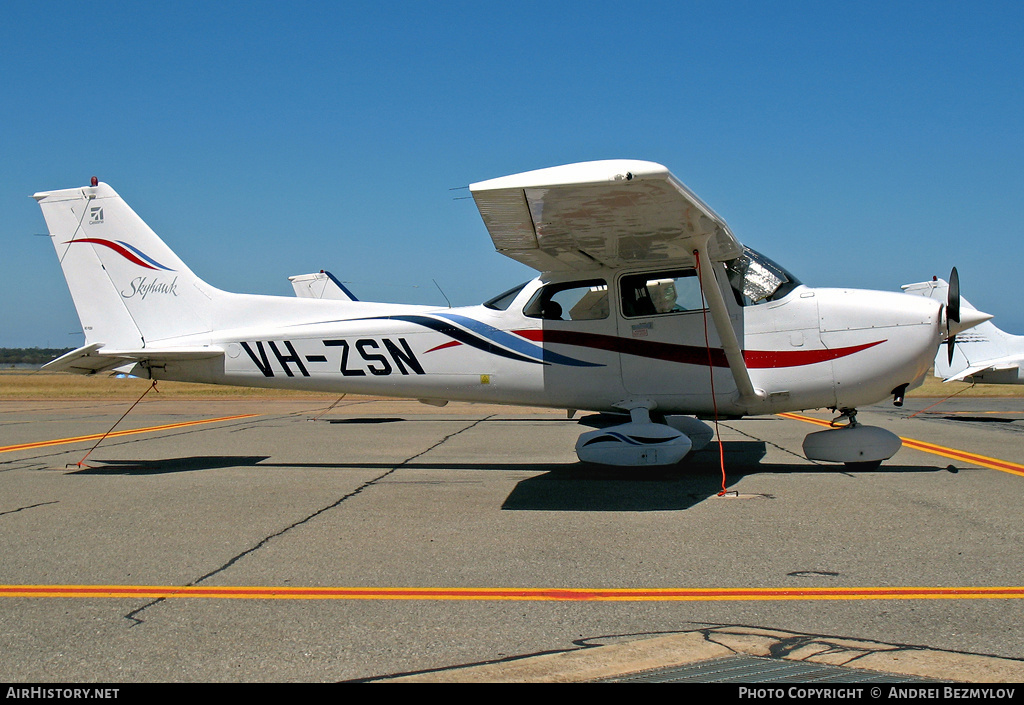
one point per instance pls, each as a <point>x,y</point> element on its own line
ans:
<point>808,419</point>
<point>982,460</point>
<point>973,458</point>
<point>497,594</point>
<point>967,413</point>
<point>115,434</point>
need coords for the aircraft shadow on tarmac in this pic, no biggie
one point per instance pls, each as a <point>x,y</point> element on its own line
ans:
<point>586,487</point>
<point>557,487</point>
<point>979,419</point>
<point>370,420</point>
<point>167,465</point>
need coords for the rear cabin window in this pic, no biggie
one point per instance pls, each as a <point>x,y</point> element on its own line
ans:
<point>576,301</point>
<point>502,301</point>
<point>661,293</point>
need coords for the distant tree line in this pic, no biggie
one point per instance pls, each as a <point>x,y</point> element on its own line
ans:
<point>30,356</point>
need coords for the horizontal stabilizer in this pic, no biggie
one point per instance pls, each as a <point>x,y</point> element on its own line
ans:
<point>94,358</point>
<point>82,361</point>
<point>966,372</point>
<point>1005,371</point>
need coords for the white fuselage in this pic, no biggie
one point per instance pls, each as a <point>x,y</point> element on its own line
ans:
<point>811,348</point>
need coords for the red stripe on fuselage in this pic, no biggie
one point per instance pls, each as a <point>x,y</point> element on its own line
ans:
<point>690,354</point>
<point>450,344</point>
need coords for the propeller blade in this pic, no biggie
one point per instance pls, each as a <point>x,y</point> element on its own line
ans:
<point>950,343</point>
<point>953,297</point>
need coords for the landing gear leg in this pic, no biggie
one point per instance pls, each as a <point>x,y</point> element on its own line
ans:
<point>851,419</point>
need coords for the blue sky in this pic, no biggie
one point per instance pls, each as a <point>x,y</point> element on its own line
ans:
<point>858,144</point>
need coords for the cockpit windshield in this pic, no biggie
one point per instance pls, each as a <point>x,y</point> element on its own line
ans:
<point>755,278</point>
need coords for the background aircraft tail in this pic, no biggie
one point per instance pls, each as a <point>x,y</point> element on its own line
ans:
<point>320,285</point>
<point>984,352</point>
<point>130,290</point>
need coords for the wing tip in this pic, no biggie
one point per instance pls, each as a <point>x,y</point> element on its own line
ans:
<point>577,173</point>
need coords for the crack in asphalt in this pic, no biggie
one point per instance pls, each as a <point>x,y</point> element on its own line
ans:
<point>30,506</point>
<point>786,646</point>
<point>133,616</point>
<point>783,647</point>
<point>768,442</point>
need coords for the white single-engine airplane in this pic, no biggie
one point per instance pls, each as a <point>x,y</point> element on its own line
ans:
<point>986,354</point>
<point>646,305</point>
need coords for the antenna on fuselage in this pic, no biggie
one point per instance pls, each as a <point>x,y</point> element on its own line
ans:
<point>442,292</point>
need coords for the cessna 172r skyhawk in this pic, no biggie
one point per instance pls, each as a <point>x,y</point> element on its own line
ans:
<point>646,306</point>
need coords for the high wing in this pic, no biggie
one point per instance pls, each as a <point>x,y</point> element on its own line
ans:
<point>613,214</point>
<point>610,213</point>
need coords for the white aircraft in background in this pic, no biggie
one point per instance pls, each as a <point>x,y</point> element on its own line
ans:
<point>646,306</point>
<point>985,354</point>
<point>320,285</point>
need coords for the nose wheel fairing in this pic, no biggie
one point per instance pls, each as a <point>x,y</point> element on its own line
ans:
<point>856,445</point>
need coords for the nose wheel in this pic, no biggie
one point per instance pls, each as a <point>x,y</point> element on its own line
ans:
<point>848,419</point>
<point>857,446</point>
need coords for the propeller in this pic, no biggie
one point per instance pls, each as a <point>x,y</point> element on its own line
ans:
<point>952,311</point>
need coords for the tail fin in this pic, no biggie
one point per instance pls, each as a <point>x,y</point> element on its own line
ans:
<point>320,285</point>
<point>129,288</point>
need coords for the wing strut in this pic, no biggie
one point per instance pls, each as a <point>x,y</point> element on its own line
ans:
<point>720,315</point>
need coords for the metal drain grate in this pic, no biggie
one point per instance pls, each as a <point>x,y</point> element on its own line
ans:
<point>756,669</point>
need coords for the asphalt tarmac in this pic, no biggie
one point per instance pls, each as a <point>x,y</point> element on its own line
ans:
<point>282,541</point>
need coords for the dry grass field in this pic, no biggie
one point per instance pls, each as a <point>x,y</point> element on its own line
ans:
<point>34,385</point>
<point>935,387</point>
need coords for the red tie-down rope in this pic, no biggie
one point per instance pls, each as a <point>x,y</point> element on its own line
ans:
<point>81,462</point>
<point>711,371</point>
<point>965,389</point>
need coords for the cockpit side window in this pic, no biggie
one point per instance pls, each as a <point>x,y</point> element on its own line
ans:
<point>754,278</point>
<point>571,301</point>
<point>659,293</point>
